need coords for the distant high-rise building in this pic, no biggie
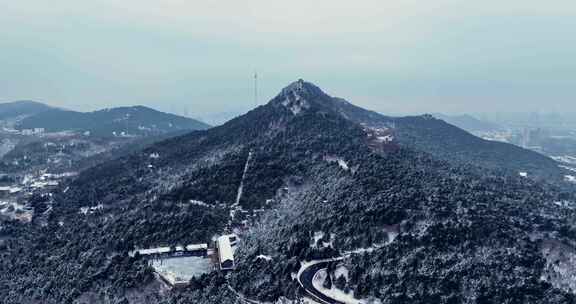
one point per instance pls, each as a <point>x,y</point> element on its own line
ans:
<point>526,138</point>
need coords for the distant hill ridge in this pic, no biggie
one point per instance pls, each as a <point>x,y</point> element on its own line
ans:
<point>128,121</point>
<point>469,123</point>
<point>22,108</point>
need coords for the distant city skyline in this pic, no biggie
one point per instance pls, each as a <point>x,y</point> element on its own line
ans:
<point>199,56</point>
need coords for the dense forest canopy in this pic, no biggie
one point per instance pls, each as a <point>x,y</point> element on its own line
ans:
<point>434,215</point>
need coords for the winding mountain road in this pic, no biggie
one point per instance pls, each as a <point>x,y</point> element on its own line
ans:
<point>306,275</point>
<point>305,279</point>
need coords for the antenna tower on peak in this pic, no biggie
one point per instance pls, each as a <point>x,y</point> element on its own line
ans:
<point>255,89</point>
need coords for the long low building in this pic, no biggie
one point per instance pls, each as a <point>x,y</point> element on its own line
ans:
<point>225,253</point>
<point>153,251</point>
<point>189,250</point>
<point>196,247</point>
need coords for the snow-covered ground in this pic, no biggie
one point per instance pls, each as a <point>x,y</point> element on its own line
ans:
<point>341,271</point>
<point>10,189</point>
<point>568,168</point>
<point>235,208</point>
<point>567,159</point>
<point>241,186</point>
<point>91,209</point>
<point>364,250</point>
<point>264,257</point>
<point>182,268</point>
<point>341,162</point>
<point>295,103</point>
<point>319,235</point>
<point>392,232</point>
<point>565,204</point>
<point>16,211</point>
<point>6,145</point>
<point>201,203</point>
<point>309,301</point>
<point>560,269</point>
<point>335,293</point>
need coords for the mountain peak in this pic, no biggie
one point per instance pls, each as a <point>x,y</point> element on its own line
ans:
<point>299,96</point>
<point>303,89</point>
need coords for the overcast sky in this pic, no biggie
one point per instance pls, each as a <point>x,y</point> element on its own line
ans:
<point>393,56</point>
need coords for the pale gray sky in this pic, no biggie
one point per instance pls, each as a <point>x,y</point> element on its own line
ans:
<point>401,56</point>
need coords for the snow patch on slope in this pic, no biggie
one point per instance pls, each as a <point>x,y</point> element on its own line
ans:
<point>318,236</point>
<point>560,269</point>
<point>91,209</point>
<point>336,293</point>
<point>568,168</point>
<point>341,271</point>
<point>341,162</point>
<point>200,203</point>
<point>567,159</point>
<point>264,257</point>
<point>295,96</point>
<point>297,105</point>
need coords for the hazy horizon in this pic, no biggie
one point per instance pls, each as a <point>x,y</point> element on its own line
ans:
<point>199,56</point>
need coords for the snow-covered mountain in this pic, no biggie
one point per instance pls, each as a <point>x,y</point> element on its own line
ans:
<point>122,121</point>
<point>21,109</point>
<point>400,210</point>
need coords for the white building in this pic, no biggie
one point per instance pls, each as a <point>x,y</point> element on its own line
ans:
<point>10,190</point>
<point>197,247</point>
<point>189,250</point>
<point>225,253</point>
<point>154,251</point>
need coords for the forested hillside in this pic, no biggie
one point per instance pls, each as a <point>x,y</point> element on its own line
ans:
<point>415,211</point>
<point>445,141</point>
<point>122,121</point>
<point>21,109</point>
